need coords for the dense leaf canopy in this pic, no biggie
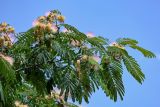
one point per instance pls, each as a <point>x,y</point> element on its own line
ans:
<point>54,62</point>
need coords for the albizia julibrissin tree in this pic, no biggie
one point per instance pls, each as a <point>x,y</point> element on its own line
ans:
<point>53,62</point>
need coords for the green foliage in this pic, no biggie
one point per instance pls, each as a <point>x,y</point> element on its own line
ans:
<point>133,44</point>
<point>112,79</point>
<point>7,80</point>
<point>67,65</point>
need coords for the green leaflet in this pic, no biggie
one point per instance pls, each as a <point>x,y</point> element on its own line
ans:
<point>2,100</point>
<point>126,41</point>
<point>112,79</point>
<point>133,68</point>
<point>6,71</point>
<point>145,52</point>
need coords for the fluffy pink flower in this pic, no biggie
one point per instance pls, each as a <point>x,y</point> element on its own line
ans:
<point>117,45</point>
<point>90,35</point>
<point>7,58</point>
<point>64,30</point>
<point>54,28</point>
<point>113,44</point>
<point>12,37</point>
<point>35,23</point>
<point>47,13</point>
<point>49,25</point>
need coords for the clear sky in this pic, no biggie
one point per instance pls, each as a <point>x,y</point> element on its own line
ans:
<point>137,19</point>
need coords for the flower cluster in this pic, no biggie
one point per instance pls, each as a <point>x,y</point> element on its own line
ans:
<point>86,58</point>
<point>90,35</point>
<point>5,31</point>
<point>48,23</point>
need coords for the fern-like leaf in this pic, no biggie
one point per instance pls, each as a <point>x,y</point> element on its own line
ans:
<point>133,67</point>
<point>145,52</point>
<point>112,75</point>
<point>126,41</point>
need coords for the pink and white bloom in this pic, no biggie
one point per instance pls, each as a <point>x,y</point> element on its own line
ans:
<point>113,44</point>
<point>47,13</point>
<point>49,25</point>
<point>7,58</point>
<point>35,23</point>
<point>90,35</point>
<point>12,37</point>
<point>54,28</point>
<point>65,30</point>
<point>117,45</point>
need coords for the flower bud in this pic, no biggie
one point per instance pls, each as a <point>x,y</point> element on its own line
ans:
<point>78,62</point>
<point>42,18</point>
<point>84,57</point>
<point>61,18</point>
<point>17,103</point>
<point>52,16</point>
<point>35,23</point>
<point>1,29</point>
<point>9,45</point>
<point>1,39</point>
<point>4,24</point>
<point>11,30</point>
<point>48,26</point>
<point>6,38</point>
<point>54,28</point>
<point>90,35</point>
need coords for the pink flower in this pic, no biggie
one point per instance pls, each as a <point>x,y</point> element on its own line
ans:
<point>65,30</point>
<point>12,37</point>
<point>42,25</point>
<point>54,28</point>
<point>35,23</point>
<point>49,25</point>
<point>113,44</point>
<point>90,35</point>
<point>47,13</point>
<point>7,58</point>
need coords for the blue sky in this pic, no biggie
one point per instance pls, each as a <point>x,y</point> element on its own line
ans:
<point>137,19</point>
